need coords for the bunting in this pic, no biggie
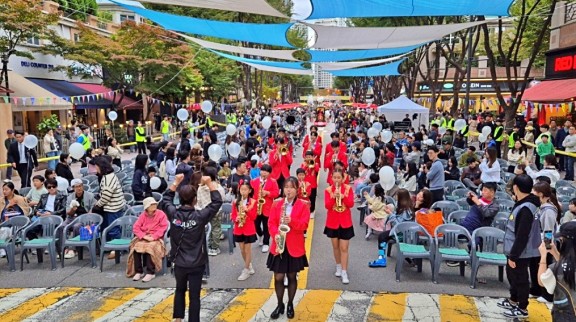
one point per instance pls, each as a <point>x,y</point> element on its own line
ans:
<point>154,101</point>
<point>31,101</point>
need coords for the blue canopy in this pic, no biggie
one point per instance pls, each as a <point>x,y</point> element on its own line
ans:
<point>407,8</point>
<point>344,55</point>
<point>390,69</point>
<point>270,34</point>
<point>290,65</point>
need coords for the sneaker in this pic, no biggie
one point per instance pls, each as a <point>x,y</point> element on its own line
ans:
<point>204,279</point>
<point>368,233</point>
<point>312,214</point>
<point>213,252</point>
<point>506,304</point>
<point>542,300</point>
<point>260,241</point>
<point>69,254</point>
<point>222,236</point>
<point>148,278</point>
<point>137,277</point>
<point>265,248</point>
<point>345,279</point>
<point>453,264</point>
<point>2,253</point>
<point>305,235</point>
<point>112,255</point>
<point>34,252</point>
<point>338,271</point>
<point>516,313</point>
<point>251,269</point>
<point>380,262</point>
<point>244,275</point>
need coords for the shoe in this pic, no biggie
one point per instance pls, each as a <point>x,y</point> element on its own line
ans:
<point>290,311</point>
<point>453,264</point>
<point>312,214</point>
<point>368,234</point>
<point>137,277</point>
<point>338,272</point>
<point>516,313</point>
<point>506,304</point>
<point>380,262</point>
<point>2,253</point>
<point>244,275</point>
<point>213,252</point>
<point>542,300</point>
<point>69,254</point>
<point>251,269</point>
<point>279,310</point>
<point>265,248</point>
<point>112,255</point>
<point>204,279</point>
<point>260,241</point>
<point>46,252</point>
<point>345,279</point>
<point>148,277</point>
<point>34,252</point>
<point>222,236</point>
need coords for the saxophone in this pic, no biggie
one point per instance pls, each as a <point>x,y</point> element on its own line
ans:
<point>339,207</point>
<point>241,219</point>
<point>283,229</point>
<point>261,200</point>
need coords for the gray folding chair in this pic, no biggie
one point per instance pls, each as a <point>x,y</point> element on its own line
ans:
<point>450,186</point>
<point>126,225</point>
<point>227,225</point>
<point>129,198</point>
<point>49,226</point>
<point>566,191</point>
<point>500,195</point>
<point>82,220</point>
<point>505,205</point>
<point>447,247</point>
<point>564,183</point>
<point>409,243</point>
<point>157,196</point>
<point>487,249</point>
<point>460,193</point>
<point>500,220</point>
<point>447,207</point>
<point>24,191</point>
<point>463,203</point>
<point>134,210</point>
<point>16,224</point>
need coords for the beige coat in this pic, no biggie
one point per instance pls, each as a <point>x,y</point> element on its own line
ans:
<point>20,201</point>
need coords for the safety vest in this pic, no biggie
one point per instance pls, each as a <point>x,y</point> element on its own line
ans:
<point>450,125</point>
<point>511,140</point>
<point>231,119</point>
<point>465,131</point>
<point>140,134</point>
<point>435,121</point>
<point>210,122</point>
<point>498,134</point>
<point>85,142</point>
<point>444,123</point>
<point>165,127</point>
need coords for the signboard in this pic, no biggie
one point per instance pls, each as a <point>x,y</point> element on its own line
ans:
<point>478,86</point>
<point>561,63</point>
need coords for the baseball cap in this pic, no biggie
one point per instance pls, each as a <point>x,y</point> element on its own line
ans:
<point>567,230</point>
<point>149,202</point>
<point>76,182</point>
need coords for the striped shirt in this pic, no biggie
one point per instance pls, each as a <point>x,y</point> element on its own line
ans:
<point>111,194</point>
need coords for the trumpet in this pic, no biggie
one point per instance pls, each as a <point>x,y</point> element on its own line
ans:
<point>261,200</point>
<point>283,150</point>
<point>283,229</point>
<point>311,163</point>
<point>339,207</point>
<point>303,187</point>
<point>241,219</point>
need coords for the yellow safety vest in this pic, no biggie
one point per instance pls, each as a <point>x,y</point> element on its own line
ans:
<point>210,122</point>
<point>165,127</point>
<point>450,125</point>
<point>465,131</point>
<point>231,119</point>
<point>498,134</point>
<point>140,134</point>
<point>511,141</point>
<point>85,142</point>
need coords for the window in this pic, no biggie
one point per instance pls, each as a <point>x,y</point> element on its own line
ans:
<point>76,37</point>
<point>126,17</point>
<point>33,41</point>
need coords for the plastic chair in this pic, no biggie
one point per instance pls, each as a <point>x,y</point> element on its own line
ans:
<point>447,207</point>
<point>123,243</point>
<point>444,163</point>
<point>49,225</point>
<point>409,237</point>
<point>390,200</point>
<point>565,206</point>
<point>134,210</point>
<point>86,187</point>
<point>564,183</point>
<point>24,191</point>
<point>91,178</point>
<point>84,172</point>
<point>566,191</point>
<point>563,198</point>
<point>116,168</point>
<point>456,217</point>
<point>502,196</point>
<point>121,176</point>
<point>505,205</point>
<point>460,193</point>
<point>126,163</point>
<point>503,163</point>
<point>127,188</point>
<point>129,199</point>
<point>463,203</point>
<point>166,245</point>
<point>500,220</point>
<point>486,251</point>
<point>507,176</point>
<point>227,225</point>
<point>17,224</point>
<point>83,220</point>
<point>450,186</point>
<point>447,247</point>
<point>362,210</point>
<point>157,196</point>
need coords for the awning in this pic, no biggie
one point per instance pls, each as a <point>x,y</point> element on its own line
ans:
<point>362,105</point>
<point>287,106</point>
<point>24,90</point>
<point>551,91</point>
<point>126,103</point>
<point>81,98</point>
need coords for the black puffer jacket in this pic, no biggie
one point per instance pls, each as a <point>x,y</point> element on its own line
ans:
<point>187,229</point>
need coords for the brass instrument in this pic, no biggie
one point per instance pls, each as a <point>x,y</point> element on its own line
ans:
<point>283,150</point>
<point>283,229</point>
<point>339,206</point>
<point>241,219</point>
<point>303,187</point>
<point>311,163</point>
<point>261,200</point>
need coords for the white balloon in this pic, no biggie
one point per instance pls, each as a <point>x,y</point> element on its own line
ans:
<point>482,138</point>
<point>459,124</point>
<point>76,150</point>
<point>386,175</point>
<point>368,156</point>
<point>377,126</point>
<point>486,130</point>
<point>112,115</point>
<point>155,183</point>
<point>30,141</point>
<point>62,184</point>
<point>442,130</point>
<point>388,185</point>
<point>429,142</point>
<point>266,122</point>
<point>234,149</point>
<point>230,129</point>
<point>372,132</point>
<point>386,136</point>
<point>215,152</point>
<point>182,114</point>
<point>206,107</point>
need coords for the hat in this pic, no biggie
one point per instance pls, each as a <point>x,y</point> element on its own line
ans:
<point>205,133</point>
<point>197,146</point>
<point>10,131</point>
<point>76,182</point>
<point>567,230</point>
<point>149,202</point>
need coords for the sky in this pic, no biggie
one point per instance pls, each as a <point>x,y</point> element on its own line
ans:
<point>302,9</point>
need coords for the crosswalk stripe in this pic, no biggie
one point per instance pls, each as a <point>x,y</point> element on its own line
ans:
<point>113,300</point>
<point>422,307</point>
<point>538,311</point>
<point>216,302</point>
<point>264,313</point>
<point>245,305</point>
<point>387,307</point>
<point>8,291</point>
<point>163,310</point>
<point>137,306</point>
<point>15,299</point>
<point>37,304</point>
<point>350,306</point>
<point>458,308</point>
<point>316,305</point>
<point>487,309</point>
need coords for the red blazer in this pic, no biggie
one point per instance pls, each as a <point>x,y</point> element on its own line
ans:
<point>308,190</point>
<point>336,219</point>
<point>329,147</point>
<point>311,174</point>
<point>280,165</point>
<point>272,187</point>
<point>316,149</point>
<point>300,217</point>
<point>307,140</point>
<point>346,179</point>
<point>249,228</point>
<point>341,157</point>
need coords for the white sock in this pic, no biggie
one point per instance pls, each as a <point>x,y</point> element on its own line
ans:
<point>339,266</point>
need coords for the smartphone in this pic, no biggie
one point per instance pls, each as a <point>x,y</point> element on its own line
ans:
<point>548,239</point>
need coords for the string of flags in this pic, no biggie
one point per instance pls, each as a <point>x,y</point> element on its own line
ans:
<point>56,100</point>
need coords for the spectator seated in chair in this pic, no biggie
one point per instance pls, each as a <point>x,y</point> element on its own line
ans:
<point>36,191</point>
<point>483,209</point>
<point>79,202</point>
<point>471,174</point>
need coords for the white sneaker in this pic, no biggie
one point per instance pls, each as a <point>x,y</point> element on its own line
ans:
<point>137,277</point>
<point>251,269</point>
<point>265,248</point>
<point>69,254</point>
<point>213,252</point>
<point>542,300</point>
<point>2,253</point>
<point>368,233</point>
<point>260,241</point>
<point>338,271</point>
<point>244,275</point>
<point>345,279</point>
<point>312,215</point>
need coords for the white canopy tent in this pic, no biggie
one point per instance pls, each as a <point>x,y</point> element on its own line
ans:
<point>396,111</point>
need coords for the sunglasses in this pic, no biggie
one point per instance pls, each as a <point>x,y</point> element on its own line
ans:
<point>51,187</point>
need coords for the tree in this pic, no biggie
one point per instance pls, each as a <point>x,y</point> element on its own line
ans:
<point>21,20</point>
<point>79,9</point>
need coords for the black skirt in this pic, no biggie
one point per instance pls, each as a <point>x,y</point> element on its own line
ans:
<point>285,263</point>
<point>245,239</point>
<point>340,233</point>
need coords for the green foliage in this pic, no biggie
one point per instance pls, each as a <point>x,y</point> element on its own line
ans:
<point>48,123</point>
<point>79,9</point>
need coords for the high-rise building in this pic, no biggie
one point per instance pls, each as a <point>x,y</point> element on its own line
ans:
<point>324,79</point>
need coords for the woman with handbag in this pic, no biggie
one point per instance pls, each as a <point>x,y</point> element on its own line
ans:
<point>12,204</point>
<point>51,148</point>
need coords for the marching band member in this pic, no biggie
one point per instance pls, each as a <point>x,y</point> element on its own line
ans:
<point>313,145</point>
<point>312,167</point>
<point>265,191</point>
<point>306,140</point>
<point>289,219</point>
<point>340,166</point>
<point>287,140</point>
<point>335,155</point>
<point>280,161</point>
<point>243,215</point>
<point>338,199</point>
<point>335,138</point>
<point>304,188</point>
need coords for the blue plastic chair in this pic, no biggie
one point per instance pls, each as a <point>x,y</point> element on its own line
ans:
<point>457,217</point>
<point>50,225</point>
<point>447,207</point>
<point>126,224</point>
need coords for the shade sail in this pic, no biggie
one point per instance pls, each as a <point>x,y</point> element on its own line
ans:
<point>390,69</point>
<point>260,7</point>
<point>126,102</point>
<point>22,87</point>
<point>383,37</point>
<point>270,34</point>
<point>343,55</point>
<point>281,70</point>
<point>407,8</point>
<point>62,88</point>
<point>551,91</point>
<point>292,65</point>
<point>355,64</point>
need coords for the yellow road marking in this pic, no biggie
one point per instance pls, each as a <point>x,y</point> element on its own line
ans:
<point>316,305</point>
<point>458,308</point>
<point>37,304</point>
<point>387,307</point>
<point>163,310</point>
<point>245,305</point>
<point>539,311</point>
<point>9,291</point>
<point>114,300</point>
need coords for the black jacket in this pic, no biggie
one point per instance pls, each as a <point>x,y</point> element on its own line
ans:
<point>187,230</point>
<point>64,171</point>
<point>14,154</point>
<point>523,226</point>
<point>141,185</point>
<point>59,204</point>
